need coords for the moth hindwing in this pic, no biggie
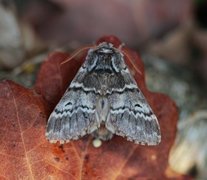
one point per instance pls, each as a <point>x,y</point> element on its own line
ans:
<point>103,99</point>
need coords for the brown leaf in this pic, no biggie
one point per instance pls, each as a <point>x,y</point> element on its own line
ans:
<point>26,154</point>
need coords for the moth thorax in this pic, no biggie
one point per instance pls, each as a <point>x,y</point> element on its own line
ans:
<point>104,62</point>
<point>102,109</point>
<point>103,78</point>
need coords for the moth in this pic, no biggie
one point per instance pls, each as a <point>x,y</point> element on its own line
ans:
<point>103,99</point>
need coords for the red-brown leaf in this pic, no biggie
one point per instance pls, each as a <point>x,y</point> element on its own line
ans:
<point>26,154</point>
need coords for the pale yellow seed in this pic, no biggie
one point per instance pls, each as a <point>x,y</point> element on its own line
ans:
<point>97,143</point>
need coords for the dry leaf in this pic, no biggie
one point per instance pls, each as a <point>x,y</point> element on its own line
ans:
<point>26,154</point>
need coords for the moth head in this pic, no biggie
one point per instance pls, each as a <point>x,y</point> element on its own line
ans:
<point>105,57</point>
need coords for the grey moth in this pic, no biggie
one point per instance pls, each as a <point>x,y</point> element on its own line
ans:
<point>103,99</point>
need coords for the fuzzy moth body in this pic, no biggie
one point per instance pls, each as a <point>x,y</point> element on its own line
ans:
<point>103,99</point>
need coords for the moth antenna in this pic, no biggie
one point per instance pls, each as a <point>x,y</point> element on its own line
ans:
<point>76,53</point>
<point>130,59</point>
<point>121,46</point>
